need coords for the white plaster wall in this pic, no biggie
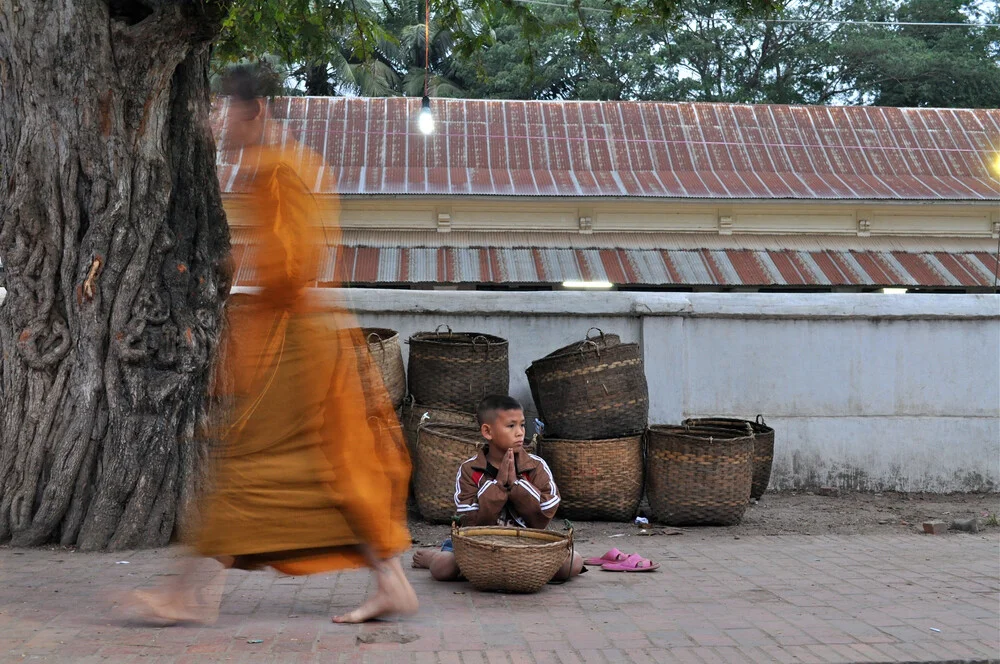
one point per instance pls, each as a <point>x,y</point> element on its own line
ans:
<point>865,391</point>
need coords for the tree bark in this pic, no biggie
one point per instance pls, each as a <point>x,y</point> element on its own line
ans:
<point>114,245</point>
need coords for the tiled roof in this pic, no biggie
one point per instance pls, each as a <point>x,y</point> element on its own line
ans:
<point>390,257</point>
<point>637,149</point>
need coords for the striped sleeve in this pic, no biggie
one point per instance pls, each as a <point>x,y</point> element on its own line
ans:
<point>537,500</point>
<point>466,492</point>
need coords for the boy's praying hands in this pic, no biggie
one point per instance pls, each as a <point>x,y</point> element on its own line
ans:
<point>507,473</point>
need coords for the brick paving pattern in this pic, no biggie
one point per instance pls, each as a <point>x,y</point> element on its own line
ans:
<point>880,598</point>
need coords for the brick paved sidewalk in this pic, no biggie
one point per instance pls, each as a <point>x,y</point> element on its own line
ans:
<point>882,598</point>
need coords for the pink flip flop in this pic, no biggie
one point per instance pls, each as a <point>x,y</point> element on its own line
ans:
<point>634,563</point>
<point>612,556</point>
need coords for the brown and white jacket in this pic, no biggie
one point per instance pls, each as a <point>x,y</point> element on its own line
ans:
<point>481,501</point>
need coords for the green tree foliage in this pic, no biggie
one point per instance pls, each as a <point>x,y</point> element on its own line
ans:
<point>926,65</point>
<point>695,50</point>
<point>375,47</point>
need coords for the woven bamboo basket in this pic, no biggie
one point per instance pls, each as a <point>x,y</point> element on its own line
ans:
<point>598,480</point>
<point>383,346</point>
<point>441,449</point>
<point>602,340</point>
<point>763,446</point>
<point>698,475</point>
<point>591,391</point>
<point>512,560</point>
<point>413,414</point>
<point>455,370</point>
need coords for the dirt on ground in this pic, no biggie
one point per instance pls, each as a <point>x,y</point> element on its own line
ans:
<point>795,513</point>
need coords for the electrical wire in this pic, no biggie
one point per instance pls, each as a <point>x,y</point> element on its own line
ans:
<point>787,20</point>
<point>427,46</point>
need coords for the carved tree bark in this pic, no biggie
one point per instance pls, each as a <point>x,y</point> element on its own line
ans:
<point>114,245</point>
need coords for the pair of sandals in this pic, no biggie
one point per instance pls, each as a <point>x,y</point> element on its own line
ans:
<point>616,561</point>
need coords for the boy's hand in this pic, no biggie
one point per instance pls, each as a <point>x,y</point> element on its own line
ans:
<point>505,474</point>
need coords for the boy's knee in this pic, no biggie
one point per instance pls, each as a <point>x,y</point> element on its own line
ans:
<point>570,568</point>
<point>444,567</point>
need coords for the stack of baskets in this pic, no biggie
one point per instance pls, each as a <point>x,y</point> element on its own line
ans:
<point>449,374</point>
<point>697,475</point>
<point>594,401</point>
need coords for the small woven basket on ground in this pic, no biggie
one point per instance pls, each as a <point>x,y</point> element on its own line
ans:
<point>698,475</point>
<point>441,449</point>
<point>592,390</point>
<point>513,560</point>
<point>763,446</point>
<point>598,480</point>
<point>455,370</point>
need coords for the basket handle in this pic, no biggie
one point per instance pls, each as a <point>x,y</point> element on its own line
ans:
<point>760,419</point>
<point>587,336</point>
<point>438,328</point>
<point>381,341</point>
<point>588,342</point>
<point>478,339</point>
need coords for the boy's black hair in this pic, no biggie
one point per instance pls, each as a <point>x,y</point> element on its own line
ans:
<point>248,82</point>
<point>486,411</point>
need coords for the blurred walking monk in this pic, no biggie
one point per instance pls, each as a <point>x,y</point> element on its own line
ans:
<point>311,473</point>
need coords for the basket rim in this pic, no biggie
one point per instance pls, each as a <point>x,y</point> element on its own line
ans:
<point>389,332</point>
<point>757,427</point>
<point>414,406</point>
<point>436,429</point>
<point>554,538</point>
<point>610,341</point>
<point>585,441</point>
<point>580,351</point>
<point>456,338</point>
<point>688,433</point>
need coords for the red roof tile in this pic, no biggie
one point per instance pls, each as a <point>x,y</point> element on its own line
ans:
<point>643,149</point>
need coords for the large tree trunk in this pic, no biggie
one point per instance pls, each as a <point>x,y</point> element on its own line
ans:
<point>114,245</point>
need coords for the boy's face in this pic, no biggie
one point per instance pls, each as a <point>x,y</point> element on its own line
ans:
<point>506,431</point>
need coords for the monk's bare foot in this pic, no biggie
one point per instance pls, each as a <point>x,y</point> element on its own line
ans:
<point>165,608</point>
<point>422,558</point>
<point>395,596</point>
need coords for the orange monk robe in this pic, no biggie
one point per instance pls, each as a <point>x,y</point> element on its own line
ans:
<point>311,464</point>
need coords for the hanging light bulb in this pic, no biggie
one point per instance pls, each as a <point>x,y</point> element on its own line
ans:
<point>426,119</point>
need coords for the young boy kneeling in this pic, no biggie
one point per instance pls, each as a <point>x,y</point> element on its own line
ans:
<point>502,485</point>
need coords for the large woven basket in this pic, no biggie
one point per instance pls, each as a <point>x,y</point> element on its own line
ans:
<point>441,449</point>
<point>455,370</point>
<point>601,340</point>
<point>598,480</point>
<point>513,560</point>
<point>593,390</point>
<point>383,346</point>
<point>763,446</point>
<point>697,475</point>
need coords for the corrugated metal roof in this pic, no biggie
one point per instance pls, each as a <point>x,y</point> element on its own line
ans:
<point>386,257</point>
<point>635,149</point>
